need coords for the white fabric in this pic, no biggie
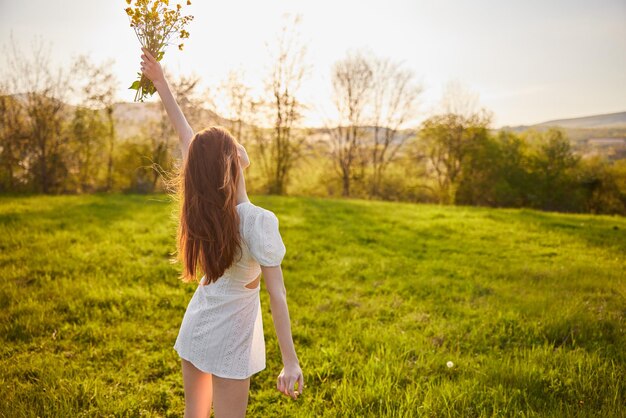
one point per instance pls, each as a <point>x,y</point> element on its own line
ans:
<point>222,329</point>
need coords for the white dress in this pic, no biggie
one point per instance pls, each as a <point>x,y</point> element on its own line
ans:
<point>222,329</point>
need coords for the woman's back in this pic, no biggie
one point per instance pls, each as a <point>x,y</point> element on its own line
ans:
<point>222,329</point>
<point>261,244</point>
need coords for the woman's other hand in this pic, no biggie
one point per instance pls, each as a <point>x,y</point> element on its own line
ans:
<point>151,68</point>
<point>244,159</point>
<point>287,380</point>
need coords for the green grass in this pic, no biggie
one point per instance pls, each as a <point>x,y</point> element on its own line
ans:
<point>529,306</point>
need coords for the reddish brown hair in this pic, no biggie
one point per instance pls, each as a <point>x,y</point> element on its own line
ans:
<point>208,231</point>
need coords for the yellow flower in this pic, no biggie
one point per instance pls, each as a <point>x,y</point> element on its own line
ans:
<point>129,11</point>
<point>128,1</point>
<point>188,3</point>
<point>178,6</point>
<point>180,46</point>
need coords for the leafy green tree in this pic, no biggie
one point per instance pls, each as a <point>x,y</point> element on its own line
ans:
<point>514,180</point>
<point>97,88</point>
<point>553,165</point>
<point>14,144</point>
<point>89,132</point>
<point>134,170</point>
<point>600,182</point>
<point>497,172</point>
<point>480,171</point>
<point>449,139</point>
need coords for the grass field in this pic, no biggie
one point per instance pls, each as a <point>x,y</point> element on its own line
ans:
<point>529,306</point>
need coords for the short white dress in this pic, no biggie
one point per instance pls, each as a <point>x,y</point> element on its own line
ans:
<point>222,329</point>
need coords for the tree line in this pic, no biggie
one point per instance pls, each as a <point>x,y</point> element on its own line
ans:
<point>370,147</point>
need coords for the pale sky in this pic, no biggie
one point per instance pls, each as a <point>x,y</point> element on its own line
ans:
<point>528,60</point>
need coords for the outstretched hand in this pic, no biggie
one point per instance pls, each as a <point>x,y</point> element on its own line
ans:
<point>151,68</point>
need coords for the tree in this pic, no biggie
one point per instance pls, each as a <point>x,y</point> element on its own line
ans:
<point>14,144</point>
<point>98,91</point>
<point>282,146</point>
<point>480,171</point>
<point>238,104</point>
<point>394,101</point>
<point>449,137</point>
<point>41,90</point>
<point>89,132</point>
<point>514,182</point>
<point>352,79</point>
<point>600,182</point>
<point>553,162</point>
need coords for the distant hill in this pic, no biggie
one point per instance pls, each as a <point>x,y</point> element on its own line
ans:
<point>603,135</point>
<point>605,121</point>
<point>131,117</point>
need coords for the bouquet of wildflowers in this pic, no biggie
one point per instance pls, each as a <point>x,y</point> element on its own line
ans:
<point>156,26</point>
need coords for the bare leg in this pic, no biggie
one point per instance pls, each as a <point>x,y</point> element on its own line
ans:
<point>231,397</point>
<point>198,391</point>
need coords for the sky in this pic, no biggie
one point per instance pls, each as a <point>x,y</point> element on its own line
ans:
<point>527,61</point>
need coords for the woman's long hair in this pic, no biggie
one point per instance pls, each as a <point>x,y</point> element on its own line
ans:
<point>208,230</point>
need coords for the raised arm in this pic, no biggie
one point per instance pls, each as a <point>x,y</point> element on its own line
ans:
<point>151,68</point>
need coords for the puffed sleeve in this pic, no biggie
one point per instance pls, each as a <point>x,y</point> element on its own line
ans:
<point>267,246</point>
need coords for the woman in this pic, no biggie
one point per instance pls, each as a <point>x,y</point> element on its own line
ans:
<point>232,241</point>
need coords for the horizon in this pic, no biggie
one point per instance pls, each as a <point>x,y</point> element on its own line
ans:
<point>527,63</point>
<point>409,127</point>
